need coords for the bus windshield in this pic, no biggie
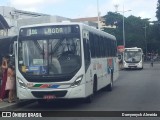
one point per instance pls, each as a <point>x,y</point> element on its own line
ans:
<point>49,56</point>
<point>132,56</point>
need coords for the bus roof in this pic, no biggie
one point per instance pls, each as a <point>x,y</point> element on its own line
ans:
<point>8,37</point>
<point>133,48</point>
<point>74,23</point>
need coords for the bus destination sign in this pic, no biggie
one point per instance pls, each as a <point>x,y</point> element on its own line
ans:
<point>138,50</point>
<point>50,30</point>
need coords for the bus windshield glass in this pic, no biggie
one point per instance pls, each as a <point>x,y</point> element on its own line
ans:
<point>132,56</point>
<point>49,53</point>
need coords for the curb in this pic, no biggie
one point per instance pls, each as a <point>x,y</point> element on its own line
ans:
<point>11,106</point>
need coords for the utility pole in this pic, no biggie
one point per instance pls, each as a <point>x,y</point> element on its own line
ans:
<point>145,36</point>
<point>98,14</point>
<point>124,41</point>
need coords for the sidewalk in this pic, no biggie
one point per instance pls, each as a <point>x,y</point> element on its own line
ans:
<point>5,106</point>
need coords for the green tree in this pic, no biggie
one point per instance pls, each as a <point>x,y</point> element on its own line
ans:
<point>158,10</point>
<point>114,20</point>
<point>135,32</point>
<point>154,36</point>
<point>134,29</point>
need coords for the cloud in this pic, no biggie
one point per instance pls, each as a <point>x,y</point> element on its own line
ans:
<point>26,3</point>
<point>92,11</point>
<point>33,5</point>
<point>142,8</point>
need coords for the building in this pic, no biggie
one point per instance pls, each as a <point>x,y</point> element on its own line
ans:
<point>17,18</point>
<point>4,27</point>
<point>12,15</point>
<point>92,20</point>
<point>40,20</point>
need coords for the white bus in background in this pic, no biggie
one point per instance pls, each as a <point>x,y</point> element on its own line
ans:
<point>133,58</point>
<point>64,61</point>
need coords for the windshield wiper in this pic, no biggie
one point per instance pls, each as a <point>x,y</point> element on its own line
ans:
<point>43,54</point>
<point>55,47</point>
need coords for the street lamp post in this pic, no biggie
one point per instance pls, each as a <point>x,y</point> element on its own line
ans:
<point>145,27</point>
<point>98,14</point>
<point>124,42</point>
<point>123,25</point>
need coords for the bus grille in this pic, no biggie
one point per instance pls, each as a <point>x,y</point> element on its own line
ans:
<point>41,94</point>
<point>132,64</point>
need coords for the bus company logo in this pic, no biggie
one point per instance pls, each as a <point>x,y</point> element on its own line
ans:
<point>99,66</point>
<point>6,114</point>
<point>45,86</point>
<point>29,85</point>
<point>110,65</point>
<point>94,66</point>
<point>110,62</point>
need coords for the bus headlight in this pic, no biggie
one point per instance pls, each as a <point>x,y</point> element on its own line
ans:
<point>77,81</point>
<point>140,63</point>
<point>124,64</point>
<point>21,83</point>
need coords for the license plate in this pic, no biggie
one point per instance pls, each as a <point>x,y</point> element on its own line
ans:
<point>131,64</point>
<point>49,97</point>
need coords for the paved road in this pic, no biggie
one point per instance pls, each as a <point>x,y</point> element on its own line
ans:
<point>135,90</point>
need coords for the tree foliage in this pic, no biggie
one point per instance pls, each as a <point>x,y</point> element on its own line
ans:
<point>136,35</point>
<point>158,10</point>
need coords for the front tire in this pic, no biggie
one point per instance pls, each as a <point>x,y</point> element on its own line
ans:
<point>89,99</point>
<point>110,86</point>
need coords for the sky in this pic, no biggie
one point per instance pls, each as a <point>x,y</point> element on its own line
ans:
<point>86,8</point>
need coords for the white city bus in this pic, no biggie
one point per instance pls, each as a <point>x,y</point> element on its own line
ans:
<point>64,61</point>
<point>133,58</point>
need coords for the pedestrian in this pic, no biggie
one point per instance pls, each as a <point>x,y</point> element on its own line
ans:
<point>120,61</point>
<point>10,84</point>
<point>152,59</point>
<point>5,61</point>
<point>152,62</point>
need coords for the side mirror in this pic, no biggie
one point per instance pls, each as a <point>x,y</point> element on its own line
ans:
<point>120,57</point>
<point>12,59</point>
<point>12,49</point>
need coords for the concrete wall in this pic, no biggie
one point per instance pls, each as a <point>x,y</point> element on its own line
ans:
<point>13,15</point>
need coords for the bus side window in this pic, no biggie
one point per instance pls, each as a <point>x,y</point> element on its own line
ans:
<point>92,46</point>
<point>86,53</point>
<point>11,49</point>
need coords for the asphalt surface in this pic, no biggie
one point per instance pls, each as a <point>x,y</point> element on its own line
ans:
<point>135,90</point>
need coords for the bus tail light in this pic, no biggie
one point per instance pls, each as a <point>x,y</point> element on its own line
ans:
<point>21,83</point>
<point>77,81</point>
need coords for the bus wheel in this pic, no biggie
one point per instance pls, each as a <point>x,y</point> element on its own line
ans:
<point>89,99</point>
<point>110,86</point>
<point>142,68</point>
<point>95,85</point>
